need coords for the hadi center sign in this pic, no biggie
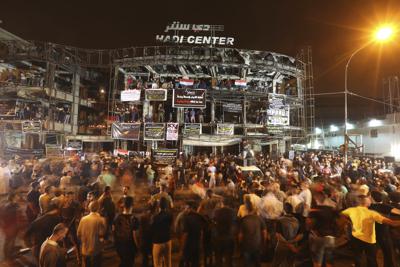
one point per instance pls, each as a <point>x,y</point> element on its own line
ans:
<point>205,34</point>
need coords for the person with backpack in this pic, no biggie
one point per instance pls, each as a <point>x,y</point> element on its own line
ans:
<point>126,227</point>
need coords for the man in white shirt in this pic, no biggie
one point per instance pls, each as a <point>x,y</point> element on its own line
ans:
<point>5,176</point>
<point>306,197</point>
<point>91,231</point>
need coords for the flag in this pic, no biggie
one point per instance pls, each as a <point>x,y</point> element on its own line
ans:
<point>240,83</point>
<point>186,82</point>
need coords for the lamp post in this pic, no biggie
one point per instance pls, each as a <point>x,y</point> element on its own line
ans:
<point>381,35</point>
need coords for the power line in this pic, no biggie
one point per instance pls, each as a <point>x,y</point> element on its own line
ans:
<point>372,99</point>
<point>332,93</point>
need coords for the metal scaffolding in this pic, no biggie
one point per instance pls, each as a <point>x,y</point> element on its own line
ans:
<point>391,94</point>
<point>305,56</point>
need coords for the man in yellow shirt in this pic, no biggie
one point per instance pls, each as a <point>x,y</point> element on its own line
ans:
<point>363,230</point>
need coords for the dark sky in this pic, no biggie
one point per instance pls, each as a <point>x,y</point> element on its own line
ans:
<point>334,28</point>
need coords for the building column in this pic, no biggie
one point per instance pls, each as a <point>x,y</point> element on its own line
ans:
<point>75,102</point>
<point>49,84</point>
<point>214,148</point>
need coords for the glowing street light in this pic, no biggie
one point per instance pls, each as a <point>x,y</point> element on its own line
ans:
<point>384,33</point>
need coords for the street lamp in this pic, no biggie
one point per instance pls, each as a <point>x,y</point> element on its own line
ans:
<point>382,34</point>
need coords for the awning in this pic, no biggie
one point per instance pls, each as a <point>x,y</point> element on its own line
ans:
<point>211,140</point>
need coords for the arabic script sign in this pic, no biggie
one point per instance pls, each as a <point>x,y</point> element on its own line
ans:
<point>177,27</point>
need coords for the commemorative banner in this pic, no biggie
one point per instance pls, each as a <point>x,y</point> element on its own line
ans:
<point>193,129</point>
<point>275,130</point>
<point>278,112</point>
<point>164,156</point>
<point>189,98</point>
<point>125,131</point>
<point>130,95</point>
<point>232,107</point>
<point>278,116</point>
<point>154,131</point>
<point>74,145</point>
<point>225,129</point>
<point>23,153</point>
<point>172,131</point>
<point>31,126</point>
<point>276,100</point>
<point>13,139</point>
<point>54,151</point>
<point>155,94</point>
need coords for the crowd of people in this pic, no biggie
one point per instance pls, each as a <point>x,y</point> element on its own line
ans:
<point>22,77</point>
<point>312,210</point>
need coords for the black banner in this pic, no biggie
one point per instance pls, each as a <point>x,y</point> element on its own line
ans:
<point>31,126</point>
<point>276,100</point>
<point>193,129</point>
<point>165,156</point>
<point>232,107</point>
<point>125,131</point>
<point>154,131</point>
<point>74,145</point>
<point>189,98</point>
<point>275,130</point>
<point>24,153</point>
<point>156,94</point>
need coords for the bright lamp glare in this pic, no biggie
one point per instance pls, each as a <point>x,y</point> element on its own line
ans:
<point>384,33</point>
<point>333,128</point>
<point>374,123</point>
<point>318,130</point>
<point>350,126</point>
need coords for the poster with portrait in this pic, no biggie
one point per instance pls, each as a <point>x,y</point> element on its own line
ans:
<point>172,131</point>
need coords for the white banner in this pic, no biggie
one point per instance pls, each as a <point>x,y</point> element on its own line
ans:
<point>130,95</point>
<point>225,129</point>
<point>172,131</point>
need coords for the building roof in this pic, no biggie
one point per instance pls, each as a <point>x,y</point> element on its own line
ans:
<point>8,36</point>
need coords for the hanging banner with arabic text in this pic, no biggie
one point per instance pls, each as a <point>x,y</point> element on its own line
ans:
<point>172,131</point>
<point>225,129</point>
<point>278,116</point>
<point>74,145</point>
<point>165,156</point>
<point>155,94</point>
<point>125,131</point>
<point>154,131</point>
<point>189,98</point>
<point>54,151</point>
<point>193,129</point>
<point>232,107</point>
<point>130,95</point>
<point>31,126</point>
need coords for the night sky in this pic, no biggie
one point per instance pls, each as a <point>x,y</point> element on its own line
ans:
<point>334,28</point>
